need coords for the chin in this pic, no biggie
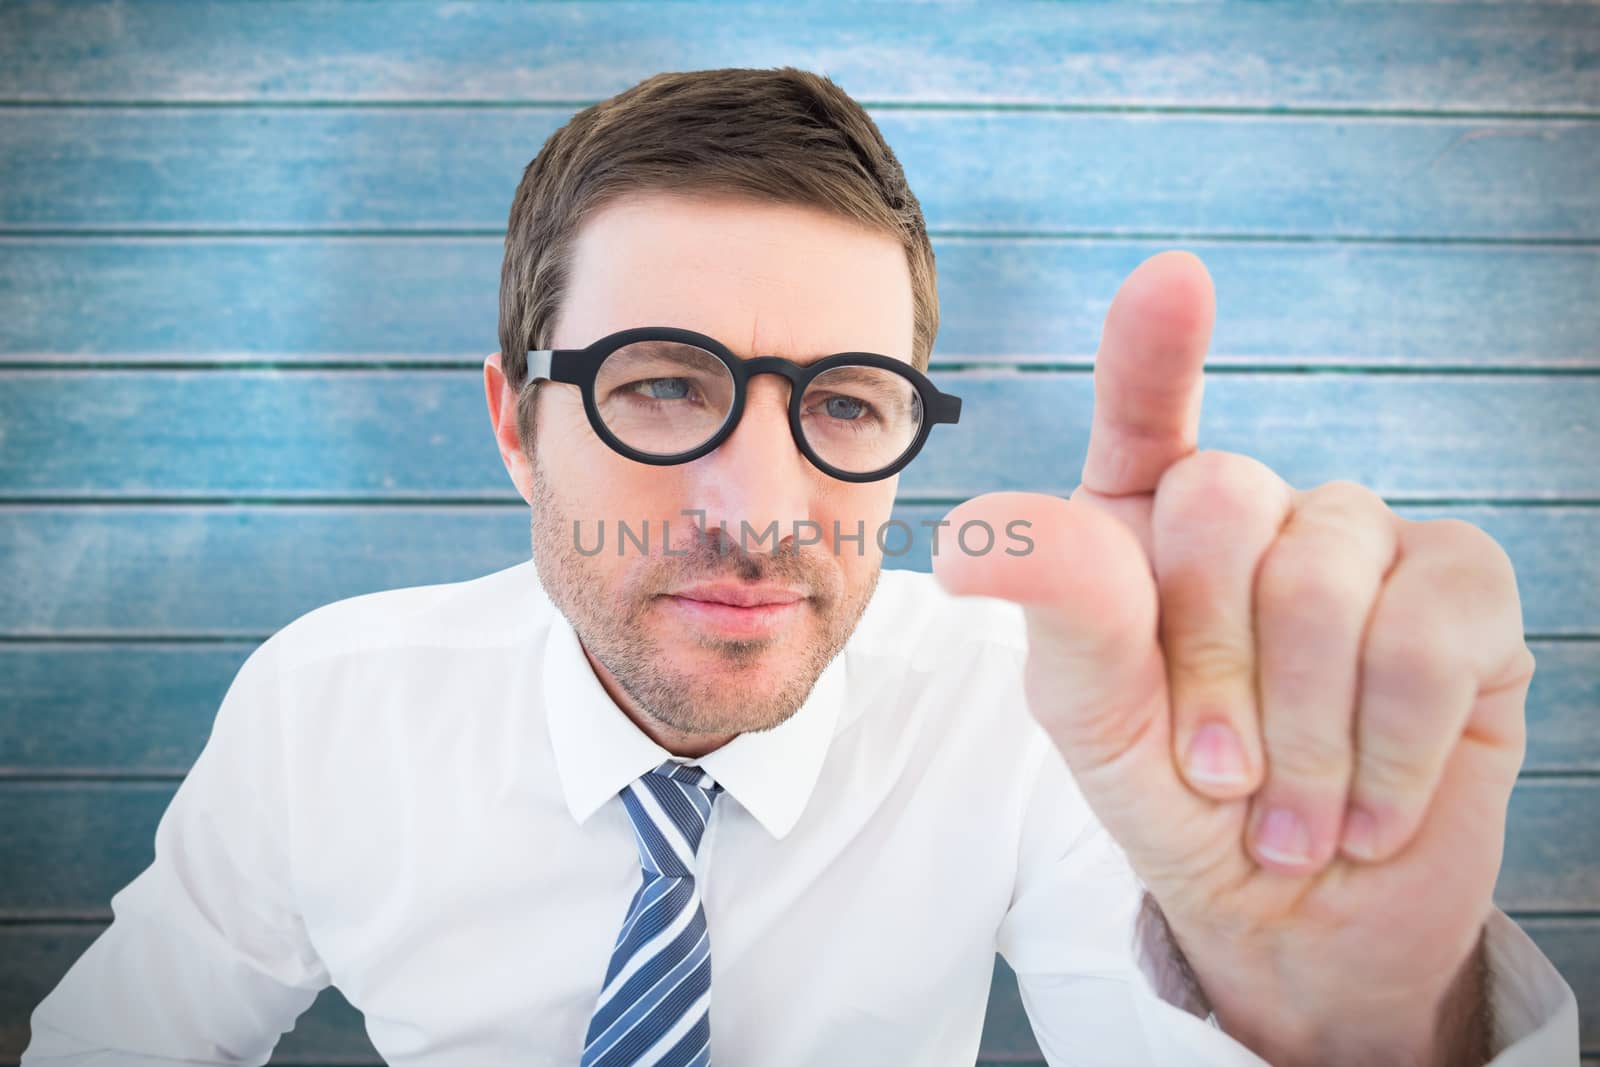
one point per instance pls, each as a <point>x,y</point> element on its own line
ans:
<point>747,660</point>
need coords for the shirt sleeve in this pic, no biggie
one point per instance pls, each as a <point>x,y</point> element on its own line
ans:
<point>1093,998</point>
<point>206,959</point>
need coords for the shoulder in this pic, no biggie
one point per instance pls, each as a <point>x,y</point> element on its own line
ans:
<point>492,610</point>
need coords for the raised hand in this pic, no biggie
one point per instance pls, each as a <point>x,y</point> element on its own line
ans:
<point>1299,714</point>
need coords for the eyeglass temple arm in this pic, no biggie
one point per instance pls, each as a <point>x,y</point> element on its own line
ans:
<point>539,363</point>
<point>947,408</point>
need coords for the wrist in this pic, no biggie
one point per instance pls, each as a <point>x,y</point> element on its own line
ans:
<point>1337,1020</point>
<point>1164,962</point>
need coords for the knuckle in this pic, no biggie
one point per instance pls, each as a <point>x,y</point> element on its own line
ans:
<point>1410,650</point>
<point>1411,692</point>
<point>1298,672</point>
<point>1389,771</point>
<point>1292,579</point>
<point>1345,519</point>
<point>1470,575</point>
<point>1208,659</point>
<point>1352,496</point>
<point>1458,534</point>
<point>1471,554</point>
<point>1347,512</point>
<point>1304,754</point>
<point>1213,476</point>
<point>1526,664</point>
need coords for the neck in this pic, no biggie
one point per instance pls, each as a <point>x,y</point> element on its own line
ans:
<point>685,743</point>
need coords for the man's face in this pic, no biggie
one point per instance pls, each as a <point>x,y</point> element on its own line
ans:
<point>764,280</point>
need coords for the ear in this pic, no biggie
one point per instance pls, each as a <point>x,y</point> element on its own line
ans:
<point>502,401</point>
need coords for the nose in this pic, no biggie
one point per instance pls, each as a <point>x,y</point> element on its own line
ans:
<point>757,476</point>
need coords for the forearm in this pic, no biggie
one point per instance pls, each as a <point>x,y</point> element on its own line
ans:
<point>1460,1032</point>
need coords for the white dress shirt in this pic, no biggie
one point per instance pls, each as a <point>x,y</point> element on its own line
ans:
<point>413,795</point>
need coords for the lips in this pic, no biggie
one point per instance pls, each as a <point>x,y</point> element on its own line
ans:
<point>735,594</point>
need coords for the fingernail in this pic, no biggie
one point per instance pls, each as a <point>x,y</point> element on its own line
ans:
<point>1282,838</point>
<point>1361,834</point>
<point>1216,757</point>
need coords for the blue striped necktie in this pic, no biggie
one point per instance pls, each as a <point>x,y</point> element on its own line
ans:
<point>655,1004</point>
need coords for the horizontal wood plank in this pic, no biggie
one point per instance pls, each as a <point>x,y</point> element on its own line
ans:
<point>35,956</point>
<point>442,168</point>
<point>1495,57</point>
<point>1001,300</point>
<point>220,571</point>
<point>378,435</point>
<point>141,709</point>
<point>76,843</point>
<point>1563,707</point>
<point>109,708</point>
<point>1310,154</point>
<point>1552,838</point>
<point>225,572</point>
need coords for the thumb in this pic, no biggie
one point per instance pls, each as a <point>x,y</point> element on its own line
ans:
<point>1096,677</point>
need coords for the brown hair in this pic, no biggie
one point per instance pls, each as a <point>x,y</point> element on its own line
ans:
<point>783,135</point>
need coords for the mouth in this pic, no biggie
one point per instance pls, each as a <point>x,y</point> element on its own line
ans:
<point>741,594</point>
<point>736,611</point>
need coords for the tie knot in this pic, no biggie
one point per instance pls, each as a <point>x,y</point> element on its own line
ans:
<point>670,806</point>
<point>688,774</point>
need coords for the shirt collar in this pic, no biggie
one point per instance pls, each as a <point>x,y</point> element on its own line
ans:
<point>599,750</point>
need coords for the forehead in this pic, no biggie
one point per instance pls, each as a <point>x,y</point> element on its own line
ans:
<point>764,279</point>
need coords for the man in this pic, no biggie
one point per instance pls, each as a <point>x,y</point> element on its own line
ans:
<point>1219,765</point>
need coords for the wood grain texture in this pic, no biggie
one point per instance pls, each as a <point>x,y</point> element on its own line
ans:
<point>203,571</point>
<point>1376,188</point>
<point>1510,57</point>
<point>115,708</point>
<point>70,845</point>
<point>430,169</point>
<point>1002,300</point>
<point>34,957</point>
<point>395,434</point>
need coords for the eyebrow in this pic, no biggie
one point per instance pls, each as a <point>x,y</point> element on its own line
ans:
<point>804,359</point>
<point>663,347</point>
<point>856,376</point>
<point>850,373</point>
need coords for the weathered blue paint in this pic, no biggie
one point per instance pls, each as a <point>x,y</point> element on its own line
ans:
<point>185,187</point>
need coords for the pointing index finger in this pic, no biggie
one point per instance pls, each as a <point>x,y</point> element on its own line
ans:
<point>1149,374</point>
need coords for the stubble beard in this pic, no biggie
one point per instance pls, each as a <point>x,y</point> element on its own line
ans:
<point>613,625</point>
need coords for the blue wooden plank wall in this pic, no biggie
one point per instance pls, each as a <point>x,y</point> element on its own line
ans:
<point>249,262</point>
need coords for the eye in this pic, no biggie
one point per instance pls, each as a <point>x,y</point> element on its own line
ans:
<point>845,407</point>
<point>662,388</point>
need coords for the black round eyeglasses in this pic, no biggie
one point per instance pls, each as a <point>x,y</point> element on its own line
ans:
<point>664,395</point>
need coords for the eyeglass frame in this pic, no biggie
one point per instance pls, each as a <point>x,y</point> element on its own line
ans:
<point>581,367</point>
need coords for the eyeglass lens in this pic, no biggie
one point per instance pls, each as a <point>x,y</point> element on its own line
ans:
<point>667,397</point>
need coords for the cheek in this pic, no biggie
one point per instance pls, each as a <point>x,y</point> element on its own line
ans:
<point>567,443</point>
<point>863,509</point>
<point>600,492</point>
<point>593,482</point>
